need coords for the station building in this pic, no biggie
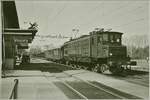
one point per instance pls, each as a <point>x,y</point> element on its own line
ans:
<point>14,39</point>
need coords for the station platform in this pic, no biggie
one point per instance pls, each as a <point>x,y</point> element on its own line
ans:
<point>32,86</point>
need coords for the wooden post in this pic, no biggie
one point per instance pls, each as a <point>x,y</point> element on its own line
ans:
<point>16,89</point>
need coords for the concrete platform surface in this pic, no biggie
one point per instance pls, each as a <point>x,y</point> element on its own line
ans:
<point>36,87</point>
<point>121,85</point>
<point>6,85</point>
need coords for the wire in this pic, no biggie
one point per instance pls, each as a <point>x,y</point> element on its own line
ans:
<point>128,12</point>
<point>108,13</point>
<point>92,10</point>
<point>114,10</point>
<point>141,19</point>
<point>58,13</point>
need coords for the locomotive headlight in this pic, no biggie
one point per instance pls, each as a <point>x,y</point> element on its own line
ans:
<point>110,54</point>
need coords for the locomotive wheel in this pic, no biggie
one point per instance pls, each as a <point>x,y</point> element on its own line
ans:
<point>85,68</point>
<point>97,68</point>
<point>103,68</point>
<point>79,66</point>
<point>71,65</point>
<point>67,62</point>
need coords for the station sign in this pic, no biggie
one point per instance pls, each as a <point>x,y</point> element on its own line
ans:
<point>20,37</point>
<point>20,41</point>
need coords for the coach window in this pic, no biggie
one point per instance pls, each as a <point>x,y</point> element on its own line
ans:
<point>99,39</point>
<point>66,52</point>
<point>92,40</point>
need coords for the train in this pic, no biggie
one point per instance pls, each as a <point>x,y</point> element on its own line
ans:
<point>99,51</point>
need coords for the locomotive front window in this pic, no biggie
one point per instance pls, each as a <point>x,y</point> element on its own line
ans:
<point>115,38</point>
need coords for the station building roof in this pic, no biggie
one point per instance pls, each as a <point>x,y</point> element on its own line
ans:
<point>9,14</point>
<point>11,24</point>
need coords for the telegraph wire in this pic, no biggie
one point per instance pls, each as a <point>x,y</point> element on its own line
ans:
<point>131,11</point>
<point>92,10</point>
<point>108,13</point>
<point>135,21</point>
<point>118,9</point>
<point>116,14</point>
<point>58,13</point>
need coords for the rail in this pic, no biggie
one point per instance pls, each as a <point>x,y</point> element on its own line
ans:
<point>14,93</point>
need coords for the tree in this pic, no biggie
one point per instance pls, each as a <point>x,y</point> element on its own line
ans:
<point>33,25</point>
<point>35,50</point>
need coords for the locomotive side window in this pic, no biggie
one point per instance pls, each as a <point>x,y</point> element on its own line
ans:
<point>111,38</point>
<point>105,37</point>
<point>117,38</point>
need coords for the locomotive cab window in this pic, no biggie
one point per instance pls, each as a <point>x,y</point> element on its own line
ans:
<point>115,38</point>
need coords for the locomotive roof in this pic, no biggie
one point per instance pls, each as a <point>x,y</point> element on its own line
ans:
<point>84,36</point>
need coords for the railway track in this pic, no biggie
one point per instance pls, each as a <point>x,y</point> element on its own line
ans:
<point>130,78</point>
<point>88,90</point>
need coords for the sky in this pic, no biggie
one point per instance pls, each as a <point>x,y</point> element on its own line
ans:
<point>61,17</point>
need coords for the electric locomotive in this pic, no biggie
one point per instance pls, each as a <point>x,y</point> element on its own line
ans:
<point>99,51</point>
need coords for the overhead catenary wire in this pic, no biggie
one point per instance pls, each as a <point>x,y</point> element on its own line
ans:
<point>107,14</point>
<point>58,13</point>
<point>103,14</point>
<point>114,12</point>
<point>129,12</point>
<point>134,21</point>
